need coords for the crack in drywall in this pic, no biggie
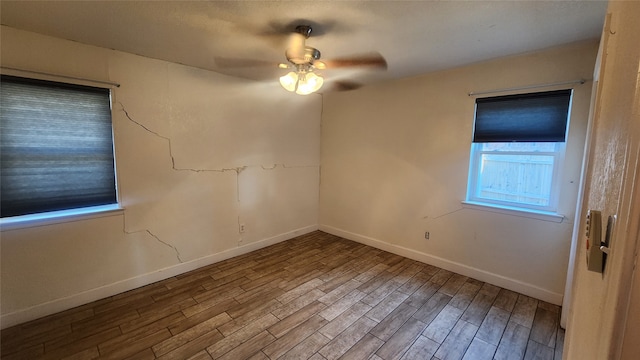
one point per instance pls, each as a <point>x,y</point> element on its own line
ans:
<point>126,113</point>
<point>284,166</point>
<point>167,244</point>
<point>442,215</point>
<point>175,249</point>
<point>237,169</point>
<point>173,160</point>
<point>449,213</point>
<point>273,167</point>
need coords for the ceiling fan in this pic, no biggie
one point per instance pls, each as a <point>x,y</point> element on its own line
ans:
<point>305,64</point>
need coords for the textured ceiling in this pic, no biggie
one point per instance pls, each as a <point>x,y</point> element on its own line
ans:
<point>414,36</point>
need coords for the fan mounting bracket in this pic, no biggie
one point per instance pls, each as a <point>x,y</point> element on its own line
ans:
<point>305,30</point>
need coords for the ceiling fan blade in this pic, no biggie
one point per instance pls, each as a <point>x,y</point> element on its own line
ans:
<point>374,60</point>
<point>343,85</point>
<point>223,62</point>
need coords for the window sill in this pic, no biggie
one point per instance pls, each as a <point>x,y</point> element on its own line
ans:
<point>534,214</point>
<point>57,217</point>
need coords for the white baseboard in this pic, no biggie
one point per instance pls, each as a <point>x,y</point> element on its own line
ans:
<point>54,306</point>
<point>482,275</point>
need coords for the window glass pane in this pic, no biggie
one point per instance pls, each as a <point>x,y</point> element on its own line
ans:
<point>524,179</point>
<point>520,146</point>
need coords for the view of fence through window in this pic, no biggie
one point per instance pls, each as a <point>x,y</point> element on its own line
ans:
<point>519,172</point>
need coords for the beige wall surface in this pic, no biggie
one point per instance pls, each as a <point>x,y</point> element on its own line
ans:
<point>395,161</point>
<point>197,154</point>
<point>602,304</point>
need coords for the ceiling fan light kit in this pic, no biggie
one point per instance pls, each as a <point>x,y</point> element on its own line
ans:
<point>302,82</point>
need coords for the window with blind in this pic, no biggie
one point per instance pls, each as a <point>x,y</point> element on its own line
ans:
<point>56,147</point>
<point>517,150</point>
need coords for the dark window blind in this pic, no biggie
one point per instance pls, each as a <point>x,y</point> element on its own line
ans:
<point>56,147</point>
<point>525,117</point>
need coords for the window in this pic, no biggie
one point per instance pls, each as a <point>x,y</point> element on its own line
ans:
<point>56,147</point>
<point>518,148</point>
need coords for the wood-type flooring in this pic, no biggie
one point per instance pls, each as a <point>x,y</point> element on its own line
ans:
<point>316,296</point>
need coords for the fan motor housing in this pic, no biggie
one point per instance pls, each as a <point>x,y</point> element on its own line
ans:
<point>310,55</point>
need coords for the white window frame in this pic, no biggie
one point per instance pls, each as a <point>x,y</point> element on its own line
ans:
<point>549,212</point>
<point>474,179</point>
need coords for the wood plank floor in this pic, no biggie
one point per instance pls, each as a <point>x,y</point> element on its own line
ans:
<point>316,297</point>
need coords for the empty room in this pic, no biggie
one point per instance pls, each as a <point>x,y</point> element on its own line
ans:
<point>319,180</point>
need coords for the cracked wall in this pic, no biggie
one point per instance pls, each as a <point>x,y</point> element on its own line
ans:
<point>201,164</point>
<point>197,153</point>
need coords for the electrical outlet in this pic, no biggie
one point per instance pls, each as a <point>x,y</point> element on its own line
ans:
<point>242,228</point>
<point>426,235</point>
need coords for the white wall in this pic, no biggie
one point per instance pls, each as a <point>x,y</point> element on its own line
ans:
<point>602,304</point>
<point>395,162</point>
<point>197,153</point>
